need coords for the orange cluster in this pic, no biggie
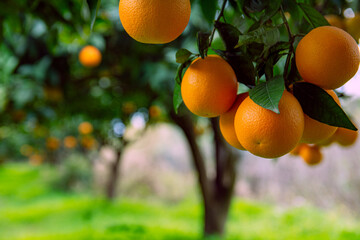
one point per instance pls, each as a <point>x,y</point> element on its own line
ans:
<point>327,57</point>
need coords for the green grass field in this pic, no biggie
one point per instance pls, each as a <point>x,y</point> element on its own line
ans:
<point>30,209</point>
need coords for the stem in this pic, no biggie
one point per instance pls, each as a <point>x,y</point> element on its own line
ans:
<point>291,50</point>
<point>221,14</point>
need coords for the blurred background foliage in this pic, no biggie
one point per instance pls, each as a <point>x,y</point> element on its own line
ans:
<point>49,162</point>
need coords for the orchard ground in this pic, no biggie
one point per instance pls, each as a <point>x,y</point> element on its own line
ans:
<point>30,209</point>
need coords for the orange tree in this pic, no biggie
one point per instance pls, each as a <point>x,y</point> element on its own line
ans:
<point>255,43</point>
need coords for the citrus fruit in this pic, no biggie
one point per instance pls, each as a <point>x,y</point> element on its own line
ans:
<point>209,86</point>
<point>88,142</point>
<point>311,154</point>
<point>85,128</point>
<point>154,21</point>
<point>335,20</point>
<point>36,159</point>
<point>296,150</point>
<point>52,143</point>
<point>70,142</point>
<point>353,26</point>
<point>26,150</point>
<point>155,111</point>
<point>267,134</point>
<point>315,131</point>
<point>226,123</point>
<point>327,142</point>
<point>345,137</point>
<point>90,56</point>
<point>327,57</point>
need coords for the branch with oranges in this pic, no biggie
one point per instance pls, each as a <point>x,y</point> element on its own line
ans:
<point>270,94</point>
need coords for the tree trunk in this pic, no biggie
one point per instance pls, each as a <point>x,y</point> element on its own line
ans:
<point>216,193</point>
<point>113,176</point>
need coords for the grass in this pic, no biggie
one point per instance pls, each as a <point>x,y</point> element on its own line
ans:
<point>30,209</point>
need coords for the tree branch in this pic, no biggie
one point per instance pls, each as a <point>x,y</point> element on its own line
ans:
<point>225,161</point>
<point>221,14</point>
<point>186,124</point>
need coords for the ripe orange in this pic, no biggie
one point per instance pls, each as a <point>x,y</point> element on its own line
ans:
<point>311,154</point>
<point>85,128</point>
<point>155,21</point>
<point>328,57</point>
<point>155,111</point>
<point>88,142</point>
<point>267,134</point>
<point>327,142</point>
<point>296,150</point>
<point>90,56</point>
<point>26,150</point>
<point>209,86</point>
<point>345,137</point>
<point>315,131</point>
<point>36,159</point>
<point>353,26</point>
<point>226,123</point>
<point>52,143</point>
<point>335,21</point>
<point>70,142</point>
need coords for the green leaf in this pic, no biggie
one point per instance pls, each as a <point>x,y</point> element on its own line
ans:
<point>203,43</point>
<point>94,6</point>
<point>177,98</point>
<point>255,5</point>
<point>229,34</point>
<point>182,55</point>
<point>271,10</point>
<point>181,68</point>
<point>242,65</point>
<point>268,36</point>
<point>313,16</point>
<point>319,105</point>
<point>268,94</point>
<point>208,9</point>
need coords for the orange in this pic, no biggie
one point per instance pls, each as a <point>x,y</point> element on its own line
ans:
<point>328,57</point>
<point>311,154</point>
<point>52,143</point>
<point>90,56</point>
<point>154,21</point>
<point>85,128</point>
<point>345,137</point>
<point>315,131</point>
<point>26,150</point>
<point>88,142</point>
<point>353,26</point>
<point>335,20</point>
<point>70,142</point>
<point>327,142</point>
<point>36,159</point>
<point>154,111</point>
<point>267,134</point>
<point>226,123</point>
<point>209,86</point>
<point>296,150</point>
